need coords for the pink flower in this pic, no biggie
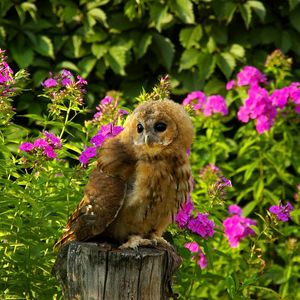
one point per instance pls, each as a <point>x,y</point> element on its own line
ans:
<point>123,112</point>
<point>52,139</point>
<point>49,152</point>
<point>196,99</point>
<point>81,81</point>
<point>237,228</point>
<point>50,82</point>
<point>195,248</point>
<point>294,89</point>
<point>279,97</point>
<point>235,210</point>
<point>106,100</point>
<point>281,211</point>
<point>26,146</point>
<point>230,84</point>
<point>297,109</point>
<point>250,76</point>
<point>66,81</point>
<point>87,154</point>
<point>201,225</point>
<point>40,143</point>
<point>215,104</point>
<point>184,213</point>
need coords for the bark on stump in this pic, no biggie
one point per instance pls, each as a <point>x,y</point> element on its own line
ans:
<point>91,271</point>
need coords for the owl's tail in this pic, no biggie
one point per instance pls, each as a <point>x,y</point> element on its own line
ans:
<point>67,237</point>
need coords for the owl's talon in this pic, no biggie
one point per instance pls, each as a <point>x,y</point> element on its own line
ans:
<point>160,240</point>
<point>134,242</point>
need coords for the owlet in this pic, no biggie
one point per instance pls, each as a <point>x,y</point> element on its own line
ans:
<point>140,180</point>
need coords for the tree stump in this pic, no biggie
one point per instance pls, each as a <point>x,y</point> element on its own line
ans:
<point>91,271</point>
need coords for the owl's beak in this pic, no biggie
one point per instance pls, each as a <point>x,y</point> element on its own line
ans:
<point>147,139</point>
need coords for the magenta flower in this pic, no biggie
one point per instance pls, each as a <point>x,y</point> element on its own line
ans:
<point>250,76</point>
<point>5,71</point>
<point>26,147</point>
<point>230,84</point>
<point>50,82</point>
<point>49,152</point>
<point>282,212</point>
<point>52,139</point>
<point>196,99</point>
<point>294,89</point>
<point>215,104</point>
<point>106,100</point>
<point>123,112</point>
<point>184,213</point>
<point>234,209</point>
<point>87,154</point>
<point>201,225</point>
<point>297,109</point>
<point>81,81</point>
<point>258,106</point>
<point>195,248</point>
<point>279,97</point>
<point>237,228</point>
<point>40,143</point>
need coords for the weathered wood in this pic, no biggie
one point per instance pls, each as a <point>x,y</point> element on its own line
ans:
<point>91,271</point>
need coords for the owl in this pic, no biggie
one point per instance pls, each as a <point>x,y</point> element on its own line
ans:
<point>140,179</point>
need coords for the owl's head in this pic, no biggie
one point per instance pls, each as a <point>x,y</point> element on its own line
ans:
<point>155,127</point>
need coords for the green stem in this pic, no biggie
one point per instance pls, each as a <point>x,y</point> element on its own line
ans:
<point>66,121</point>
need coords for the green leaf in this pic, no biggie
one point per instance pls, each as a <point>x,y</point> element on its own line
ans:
<point>237,51</point>
<point>250,169</point>
<point>76,40</point>
<point>183,9</point>
<point>293,4</point>
<point>99,50</point>
<point>207,64</point>
<point>68,65</point>
<point>258,189</point>
<point>295,19</point>
<point>86,65</point>
<point>44,46</point>
<point>99,15</point>
<point>249,207</point>
<point>188,59</point>
<point>116,58</point>
<point>245,10</point>
<point>226,62</point>
<point>159,15</point>
<point>143,44</point>
<point>258,8</point>
<point>164,50</point>
<point>189,37</point>
<point>22,56</point>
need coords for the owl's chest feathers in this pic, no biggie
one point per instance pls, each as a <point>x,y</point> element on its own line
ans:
<point>155,192</point>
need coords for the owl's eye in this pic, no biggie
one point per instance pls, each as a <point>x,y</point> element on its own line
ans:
<point>160,127</point>
<point>139,128</point>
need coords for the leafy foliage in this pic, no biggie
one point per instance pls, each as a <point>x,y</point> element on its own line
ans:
<point>119,45</point>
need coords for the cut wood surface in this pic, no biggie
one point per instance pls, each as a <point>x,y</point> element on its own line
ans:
<point>91,271</point>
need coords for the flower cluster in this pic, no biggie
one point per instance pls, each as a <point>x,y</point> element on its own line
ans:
<point>64,92</point>
<point>199,255</point>
<point>207,105</point>
<point>106,131</point>
<point>258,106</point>
<point>108,110</point>
<point>261,105</point>
<point>282,212</point>
<point>8,88</point>
<point>200,224</point>
<point>237,227</point>
<point>45,146</point>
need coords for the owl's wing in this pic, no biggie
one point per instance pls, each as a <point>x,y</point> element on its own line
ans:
<point>103,198</point>
<point>104,194</point>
